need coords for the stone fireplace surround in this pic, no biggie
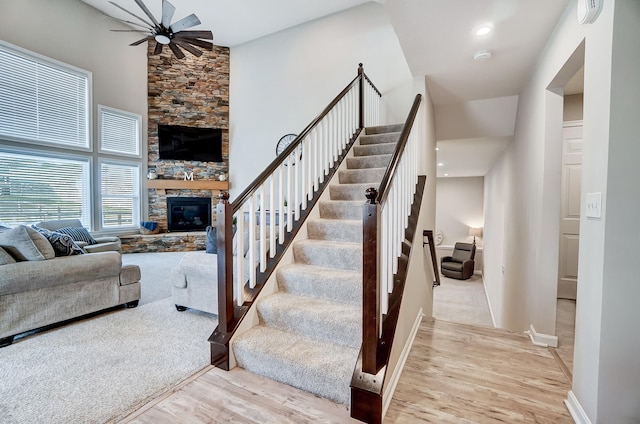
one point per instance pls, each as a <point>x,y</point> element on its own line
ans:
<point>191,92</point>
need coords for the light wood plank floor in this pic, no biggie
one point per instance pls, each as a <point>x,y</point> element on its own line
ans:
<point>455,373</point>
<point>458,373</point>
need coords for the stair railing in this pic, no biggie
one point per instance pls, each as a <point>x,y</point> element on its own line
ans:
<point>385,219</point>
<point>283,194</point>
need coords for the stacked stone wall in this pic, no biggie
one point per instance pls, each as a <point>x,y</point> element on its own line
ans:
<point>191,92</point>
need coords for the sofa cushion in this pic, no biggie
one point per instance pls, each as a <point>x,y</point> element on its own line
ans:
<point>78,234</point>
<point>63,244</point>
<point>452,266</point>
<point>6,258</point>
<point>111,246</point>
<point>26,244</point>
<point>25,276</point>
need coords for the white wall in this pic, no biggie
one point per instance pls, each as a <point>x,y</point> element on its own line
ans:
<point>606,365</point>
<point>77,34</point>
<point>281,82</point>
<point>459,205</point>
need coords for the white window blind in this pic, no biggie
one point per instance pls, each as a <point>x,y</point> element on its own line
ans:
<point>37,188</point>
<point>120,198</point>
<point>119,131</point>
<point>43,101</point>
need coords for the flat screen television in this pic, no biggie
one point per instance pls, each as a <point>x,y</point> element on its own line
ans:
<point>177,142</point>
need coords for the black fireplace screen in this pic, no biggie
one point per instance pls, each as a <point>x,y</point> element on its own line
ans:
<point>188,213</point>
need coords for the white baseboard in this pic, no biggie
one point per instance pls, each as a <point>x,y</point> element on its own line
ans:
<point>540,339</point>
<point>576,410</point>
<point>393,381</point>
<point>486,294</point>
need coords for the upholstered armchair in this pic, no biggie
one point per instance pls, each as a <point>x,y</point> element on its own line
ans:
<point>461,263</point>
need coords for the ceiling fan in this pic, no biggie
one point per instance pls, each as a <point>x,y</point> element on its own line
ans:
<point>165,33</point>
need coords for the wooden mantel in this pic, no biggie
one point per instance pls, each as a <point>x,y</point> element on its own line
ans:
<point>163,185</point>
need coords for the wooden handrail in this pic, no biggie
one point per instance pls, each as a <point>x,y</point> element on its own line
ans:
<point>432,249</point>
<point>385,184</point>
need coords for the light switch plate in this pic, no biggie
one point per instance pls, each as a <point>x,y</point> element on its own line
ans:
<point>594,205</point>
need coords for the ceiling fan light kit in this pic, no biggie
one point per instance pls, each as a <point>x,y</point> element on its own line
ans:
<point>166,34</point>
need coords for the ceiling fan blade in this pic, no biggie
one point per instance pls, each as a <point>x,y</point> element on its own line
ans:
<point>132,14</point>
<point>133,23</point>
<point>176,50</point>
<point>158,49</point>
<point>137,43</point>
<point>147,12</point>
<point>187,47</point>
<point>167,13</point>
<point>184,23</point>
<point>207,35</point>
<point>200,43</point>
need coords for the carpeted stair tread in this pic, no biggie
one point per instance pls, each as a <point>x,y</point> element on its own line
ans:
<point>317,367</point>
<point>326,320</point>
<point>374,149</point>
<point>339,285</point>
<point>335,229</point>
<point>373,161</point>
<point>357,191</point>
<point>341,209</point>
<point>333,254</point>
<point>372,140</point>
<point>381,129</point>
<point>366,175</point>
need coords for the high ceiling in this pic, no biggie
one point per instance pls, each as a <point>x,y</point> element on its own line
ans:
<point>438,40</point>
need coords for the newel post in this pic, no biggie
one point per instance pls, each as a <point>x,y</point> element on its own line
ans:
<point>224,235</point>
<point>370,304</point>
<point>361,97</point>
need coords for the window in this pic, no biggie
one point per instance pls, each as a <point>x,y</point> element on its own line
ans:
<point>47,103</point>
<point>43,101</point>
<point>119,131</point>
<point>37,188</point>
<point>120,198</point>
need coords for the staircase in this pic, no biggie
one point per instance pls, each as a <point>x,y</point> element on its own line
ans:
<point>310,331</point>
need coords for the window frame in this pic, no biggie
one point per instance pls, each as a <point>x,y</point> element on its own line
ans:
<point>137,117</point>
<point>65,67</point>
<point>137,212</point>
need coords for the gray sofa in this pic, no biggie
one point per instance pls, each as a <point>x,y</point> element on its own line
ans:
<point>103,244</point>
<point>43,290</point>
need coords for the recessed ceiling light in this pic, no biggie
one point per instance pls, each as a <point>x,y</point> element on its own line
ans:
<point>441,164</point>
<point>483,30</point>
<point>446,175</point>
<point>437,148</point>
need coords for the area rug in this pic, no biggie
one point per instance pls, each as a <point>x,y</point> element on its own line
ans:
<point>103,368</point>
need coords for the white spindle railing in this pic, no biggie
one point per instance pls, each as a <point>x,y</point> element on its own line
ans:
<point>293,183</point>
<point>395,213</point>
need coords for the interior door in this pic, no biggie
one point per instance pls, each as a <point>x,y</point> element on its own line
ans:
<point>570,210</point>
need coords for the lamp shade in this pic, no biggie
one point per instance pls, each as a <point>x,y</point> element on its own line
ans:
<point>475,232</point>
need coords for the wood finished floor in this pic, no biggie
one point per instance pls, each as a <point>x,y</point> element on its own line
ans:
<point>455,373</point>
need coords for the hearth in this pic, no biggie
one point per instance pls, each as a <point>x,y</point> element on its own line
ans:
<point>188,213</point>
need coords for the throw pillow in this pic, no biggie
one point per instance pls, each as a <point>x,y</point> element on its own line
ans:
<point>26,244</point>
<point>211,242</point>
<point>78,234</point>
<point>6,258</point>
<point>63,244</point>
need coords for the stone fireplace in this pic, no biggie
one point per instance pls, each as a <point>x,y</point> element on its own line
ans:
<point>188,213</point>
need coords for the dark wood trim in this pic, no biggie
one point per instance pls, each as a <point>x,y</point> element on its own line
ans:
<point>224,216</point>
<point>360,96</point>
<point>373,85</point>
<point>434,260</point>
<point>385,184</point>
<point>219,339</point>
<point>366,406</point>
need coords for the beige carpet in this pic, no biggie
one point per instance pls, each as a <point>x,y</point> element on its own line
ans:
<point>99,369</point>
<point>462,301</point>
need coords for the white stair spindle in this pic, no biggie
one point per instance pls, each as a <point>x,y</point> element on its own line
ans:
<point>241,277</point>
<point>263,228</point>
<point>272,215</point>
<point>252,241</point>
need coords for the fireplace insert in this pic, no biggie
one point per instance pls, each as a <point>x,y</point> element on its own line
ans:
<point>188,213</point>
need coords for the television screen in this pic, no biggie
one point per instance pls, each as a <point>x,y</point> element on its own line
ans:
<point>178,142</point>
